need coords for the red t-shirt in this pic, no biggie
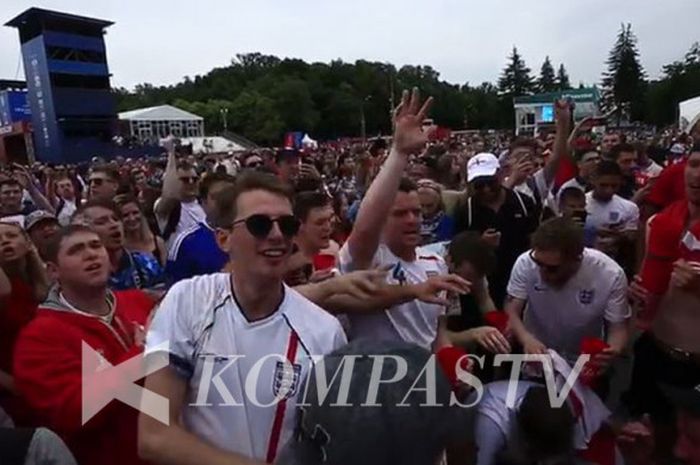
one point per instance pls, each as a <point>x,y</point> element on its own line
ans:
<point>16,310</point>
<point>669,186</point>
<point>670,239</point>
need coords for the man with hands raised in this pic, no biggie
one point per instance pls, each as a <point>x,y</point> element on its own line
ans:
<point>387,234</point>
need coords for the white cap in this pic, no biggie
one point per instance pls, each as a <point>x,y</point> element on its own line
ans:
<point>483,164</point>
<point>678,149</point>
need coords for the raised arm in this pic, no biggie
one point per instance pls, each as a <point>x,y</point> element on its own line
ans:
<point>409,137</point>
<point>170,195</point>
<point>561,145</point>
<point>26,179</point>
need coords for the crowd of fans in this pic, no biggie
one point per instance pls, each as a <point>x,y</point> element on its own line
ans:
<point>561,245</point>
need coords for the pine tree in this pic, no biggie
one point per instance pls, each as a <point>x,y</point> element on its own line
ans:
<point>563,82</point>
<point>515,79</point>
<point>623,84</point>
<point>546,81</point>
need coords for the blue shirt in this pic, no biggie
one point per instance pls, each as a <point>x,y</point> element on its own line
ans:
<point>194,252</point>
<point>137,270</point>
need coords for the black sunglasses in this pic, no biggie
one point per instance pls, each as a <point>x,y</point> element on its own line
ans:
<point>261,225</point>
<point>255,164</point>
<point>481,183</point>
<point>189,179</point>
<point>544,266</point>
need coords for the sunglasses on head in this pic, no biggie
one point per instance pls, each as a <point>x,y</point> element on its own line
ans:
<point>188,179</point>
<point>544,266</point>
<point>259,226</point>
<point>483,182</point>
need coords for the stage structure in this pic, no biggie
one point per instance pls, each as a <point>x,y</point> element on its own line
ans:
<point>73,111</point>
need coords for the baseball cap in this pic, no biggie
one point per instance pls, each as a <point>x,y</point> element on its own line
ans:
<point>686,399</point>
<point>677,149</point>
<point>399,429</point>
<point>482,164</point>
<point>36,217</point>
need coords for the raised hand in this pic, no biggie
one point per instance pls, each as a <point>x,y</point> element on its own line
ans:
<point>432,290</point>
<point>562,113</point>
<point>409,136</point>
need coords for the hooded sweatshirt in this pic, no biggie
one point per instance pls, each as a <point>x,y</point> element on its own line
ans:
<point>48,374</point>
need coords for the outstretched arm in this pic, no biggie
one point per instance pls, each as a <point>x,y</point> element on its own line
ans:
<point>408,138</point>
<point>561,146</point>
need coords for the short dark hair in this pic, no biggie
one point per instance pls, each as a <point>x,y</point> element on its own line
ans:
<point>304,202</point>
<point>548,431</point>
<point>407,185</point>
<point>284,154</point>
<point>468,247</point>
<point>607,168</point>
<point>225,201</point>
<point>559,234</point>
<point>53,247</point>
<point>184,165</point>
<point>94,203</point>
<point>623,147</point>
<point>210,179</point>
<point>110,171</point>
<point>522,141</point>
<point>571,192</point>
<point>10,182</point>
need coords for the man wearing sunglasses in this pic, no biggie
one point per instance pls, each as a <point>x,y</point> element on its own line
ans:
<point>103,183</point>
<point>387,234</point>
<point>178,208</point>
<point>504,218</point>
<point>572,293</point>
<point>247,318</point>
<point>195,251</point>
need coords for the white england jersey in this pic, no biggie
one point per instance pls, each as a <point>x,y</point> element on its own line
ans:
<point>237,369</point>
<point>413,321</point>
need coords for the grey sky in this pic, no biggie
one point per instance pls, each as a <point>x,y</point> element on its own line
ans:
<point>161,41</point>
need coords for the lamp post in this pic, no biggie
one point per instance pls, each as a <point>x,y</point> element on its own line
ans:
<point>363,123</point>
<point>224,117</point>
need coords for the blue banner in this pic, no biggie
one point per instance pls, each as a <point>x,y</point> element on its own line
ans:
<point>47,137</point>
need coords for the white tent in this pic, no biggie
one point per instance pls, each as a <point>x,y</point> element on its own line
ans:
<point>159,113</point>
<point>161,121</point>
<point>689,114</point>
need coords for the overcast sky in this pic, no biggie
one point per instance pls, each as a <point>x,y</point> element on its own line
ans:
<point>161,41</point>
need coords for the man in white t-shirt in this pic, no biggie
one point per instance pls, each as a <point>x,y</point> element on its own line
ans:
<point>239,338</point>
<point>571,293</point>
<point>387,233</point>
<point>178,208</point>
<point>611,219</point>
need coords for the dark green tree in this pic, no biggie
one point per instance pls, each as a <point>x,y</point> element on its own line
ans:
<point>680,81</point>
<point>547,81</point>
<point>624,83</point>
<point>563,82</point>
<point>515,79</point>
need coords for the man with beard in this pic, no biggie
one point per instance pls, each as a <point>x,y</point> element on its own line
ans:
<point>48,361</point>
<point>571,293</point>
<point>129,270</point>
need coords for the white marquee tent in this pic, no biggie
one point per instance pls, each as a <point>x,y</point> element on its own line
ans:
<point>160,121</point>
<point>689,114</point>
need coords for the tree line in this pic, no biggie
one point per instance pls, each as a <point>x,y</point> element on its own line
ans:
<point>263,96</point>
